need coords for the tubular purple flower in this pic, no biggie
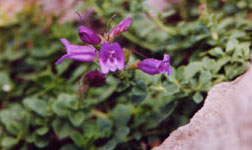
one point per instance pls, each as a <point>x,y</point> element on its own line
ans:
<point>88,36</point>
<point>120,28</point>
<point>111,57</point>
<point>153,66</point>
<point>77,52</point>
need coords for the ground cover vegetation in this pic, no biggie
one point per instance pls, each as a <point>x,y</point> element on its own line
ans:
<point>65,106</point>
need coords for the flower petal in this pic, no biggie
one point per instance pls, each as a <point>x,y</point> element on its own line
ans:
<point>154,66</point>
<point>104,67</point>
<point>111,57</point>
<point>119,55</point>
<point>121,27</point>
<point>61,59</point>
<point>112,66</point>
<point>77,52</point>
<point>169,71</point>
<point>166,57</point>
<point>150,66</point>
<point>71,49</point>
<point>104,52</point>
<point>82,57</point>
<point>88,36</point>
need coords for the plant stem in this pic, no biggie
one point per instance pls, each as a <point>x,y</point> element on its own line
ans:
<point>98,113</point>
<point>161,25</point>
<point>183,9</point>
<point>138,41</point>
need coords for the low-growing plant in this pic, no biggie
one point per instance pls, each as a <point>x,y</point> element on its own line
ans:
<point>124,96</point>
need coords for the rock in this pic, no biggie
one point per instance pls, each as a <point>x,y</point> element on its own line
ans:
<point>160,5</point>
<point>223,123</point>
<point>64,10</point>
<point>9,10</point>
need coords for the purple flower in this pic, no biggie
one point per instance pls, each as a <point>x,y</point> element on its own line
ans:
<point>111,57</point>
<point>120,28</point>
<point>88,36</point>
<point>95,78</point>
<point>77,52</point>
<point>154,66</point>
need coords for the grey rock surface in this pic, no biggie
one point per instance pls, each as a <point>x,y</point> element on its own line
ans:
<point>223,123</point>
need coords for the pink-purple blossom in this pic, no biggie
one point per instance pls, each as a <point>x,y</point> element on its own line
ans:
<point>111,57</point>
<point>120,28</point>
<point>77,52</point>
<point>88,36</point>
<point>154,66</point>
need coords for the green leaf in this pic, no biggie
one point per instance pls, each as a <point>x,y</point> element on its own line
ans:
<point>231,44</point>
<point>208,63</point>
<point>244,47</point>
<point>77,138</point>
<point>41,142</point>
<point>138,92</point>
<point>30,138</point>
<point>62,128</point>
<point>232,71</point>
<point>194,83</point>
<point>205,78</point>
<point>90,133</point>
<point>170,88</point>
<point>42,130</point>
<point>9,141</point>
<point>110,145</point>
<point>105,126</point>
<point>77,118</point>
<point>77,73</point>
<point>36,105</point>
<point>220,63</point>
<point>69,147</point>
<point>192,69</point>
<point>238,34</point>
<point>172,77</point>
<point>5,82</point>
<point>14,127</point>
<point>96,97</point>
<point>13,119</point>
<point>121,115</point>
<point>64,105</point>
<point>91,130</point>
<point>137,135</point>
<point>13,54</point>
<point>148,79</point>
<point>121,133</point>
<point>180,73</point>
<point>61,68</point>
<point>217,52</point>
<point>198,98</point>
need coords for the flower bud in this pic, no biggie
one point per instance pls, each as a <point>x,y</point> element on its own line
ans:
<point>120,28</point>
<point>94,78</point>
<point>88,36</point>
<point>153,66</point>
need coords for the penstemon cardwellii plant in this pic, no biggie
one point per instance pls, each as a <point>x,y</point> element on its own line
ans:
<point>111,56</point>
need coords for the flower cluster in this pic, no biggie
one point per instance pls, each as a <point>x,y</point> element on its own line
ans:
<point>110,55</point>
